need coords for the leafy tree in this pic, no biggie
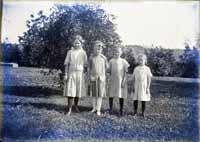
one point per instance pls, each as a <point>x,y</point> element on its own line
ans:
<point>48,38</point>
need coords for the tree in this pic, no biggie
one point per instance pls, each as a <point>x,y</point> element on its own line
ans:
<point>48,38</point>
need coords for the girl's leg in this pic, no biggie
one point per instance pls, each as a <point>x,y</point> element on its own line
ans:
<point>110,105</point>
<point>135,104</point>
<point>121,104</point>
<point>94,104</point>
<point>99,102</point>
<point>70,101</point>
<point>76,100</point>
<point>143,107</point>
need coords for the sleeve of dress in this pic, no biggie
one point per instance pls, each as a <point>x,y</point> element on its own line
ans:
<point>106,63</point>
<point>67,59</point>
<point>126,65</point>
<point>149,72</point>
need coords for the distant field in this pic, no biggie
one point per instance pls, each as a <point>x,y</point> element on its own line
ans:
<point>33,110</point>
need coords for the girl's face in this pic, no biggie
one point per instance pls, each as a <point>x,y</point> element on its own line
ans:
<point>98,48</point>
<point>141,60</point>
<point>117,53</point>
<point>77,44</point>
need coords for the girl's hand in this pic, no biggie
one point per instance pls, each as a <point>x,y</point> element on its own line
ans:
<point>123,83</point>
<point>148,91</point>
<point>66,77</point>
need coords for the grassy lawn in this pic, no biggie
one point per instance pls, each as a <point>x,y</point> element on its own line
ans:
<point>33,110</point>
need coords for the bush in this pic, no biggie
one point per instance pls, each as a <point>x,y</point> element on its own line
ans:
<point>189,62</point>
<point>161,61</point>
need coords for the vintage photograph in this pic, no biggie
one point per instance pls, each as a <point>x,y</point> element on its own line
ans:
<point>100,70</point>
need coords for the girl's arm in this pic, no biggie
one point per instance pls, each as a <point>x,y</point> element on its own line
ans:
<point>85,62</point>
<point>89,68</point>
<point>124,79</point>
<point>66,64</point>
<point>108,70</point>
<point>148,82</point>
<point>149,76</point>
<point>133,81</point>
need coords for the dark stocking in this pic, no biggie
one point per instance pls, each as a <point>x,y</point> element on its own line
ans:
<point>135,104</point>
<point>121,104</point>
<point>110,104</point>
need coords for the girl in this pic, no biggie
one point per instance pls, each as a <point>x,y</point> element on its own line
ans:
<point>142,80</point>
<point>98,66</point>
<point>75,62</point>
<point>118,68</point>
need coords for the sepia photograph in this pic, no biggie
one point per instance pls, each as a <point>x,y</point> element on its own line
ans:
<point>100,71</point>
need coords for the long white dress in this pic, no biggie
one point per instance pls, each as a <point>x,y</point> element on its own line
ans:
<point>141,75</point>
<point>76,59</point>
<point>118,67</point>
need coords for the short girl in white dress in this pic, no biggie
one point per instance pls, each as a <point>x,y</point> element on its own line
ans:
<point>75,62</point>
<point>118,67</point>
<point>97,71</point>
<point>141,80</point>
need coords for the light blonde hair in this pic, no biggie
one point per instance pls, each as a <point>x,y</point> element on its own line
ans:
<point>80,38</point>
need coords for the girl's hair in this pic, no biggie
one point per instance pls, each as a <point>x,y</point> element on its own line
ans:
<point>142,56</point>
<point>117,48</point>
<point>80,38</point>
<point>98,41</point>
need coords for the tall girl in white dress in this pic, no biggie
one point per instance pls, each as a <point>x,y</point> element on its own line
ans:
<point>75,62</point>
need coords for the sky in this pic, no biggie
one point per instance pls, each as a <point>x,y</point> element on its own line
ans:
<point>158,23</point>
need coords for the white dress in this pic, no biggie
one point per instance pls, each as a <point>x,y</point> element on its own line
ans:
<point>118,67</point>
<point>74,85</point>
<point>141,75</point>
<point>98,67</point>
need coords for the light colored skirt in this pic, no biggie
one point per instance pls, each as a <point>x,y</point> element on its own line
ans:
<point>74,86</point>
<point>141,97</point>
<point>115,89</point>
<point>97,88</point>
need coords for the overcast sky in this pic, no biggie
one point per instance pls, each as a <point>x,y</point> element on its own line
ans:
<point>163,23</point>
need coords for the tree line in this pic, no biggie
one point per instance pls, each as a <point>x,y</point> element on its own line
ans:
<point>48,38</point>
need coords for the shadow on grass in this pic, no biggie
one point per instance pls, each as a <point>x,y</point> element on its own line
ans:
<point>31,91</point>
<point>49,106</point>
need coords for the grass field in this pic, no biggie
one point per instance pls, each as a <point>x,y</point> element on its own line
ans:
<point>33,110</point>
